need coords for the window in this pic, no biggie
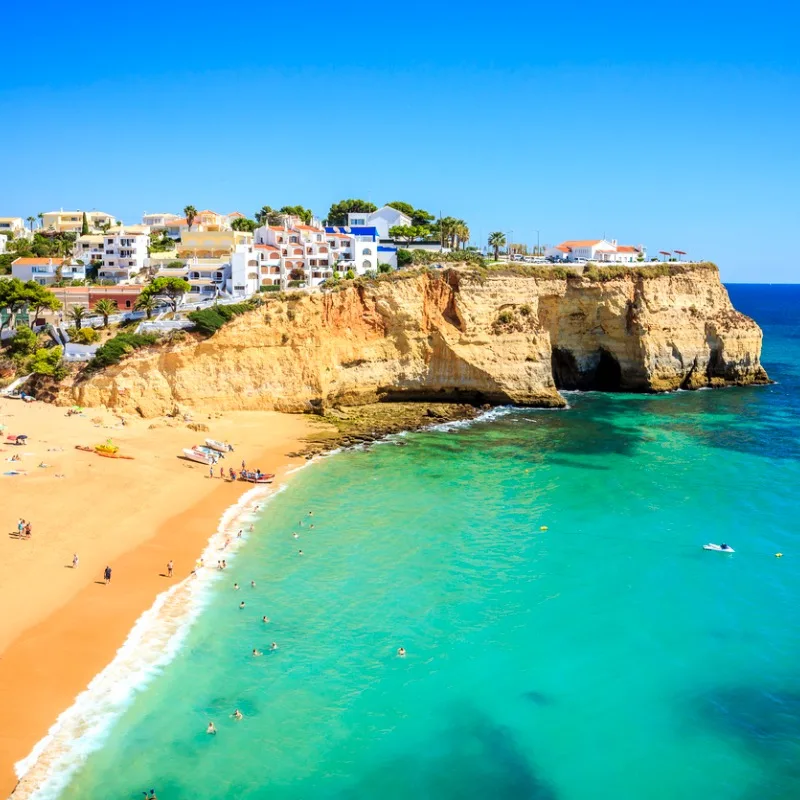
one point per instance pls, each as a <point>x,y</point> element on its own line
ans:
<point>127,304</point>
<point>367,265</point>
<point>367,251</point>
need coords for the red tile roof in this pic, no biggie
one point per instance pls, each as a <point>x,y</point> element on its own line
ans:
<point>37,262</point>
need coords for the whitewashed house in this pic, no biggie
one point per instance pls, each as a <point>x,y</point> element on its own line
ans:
<point>124,256</point>
<point>599,250</point>
<point>46,271</point>
<point>89,248</point>
<point>292,252</point>
<point>354,248</point>
<point>383,219</point>
<point>158,221</point>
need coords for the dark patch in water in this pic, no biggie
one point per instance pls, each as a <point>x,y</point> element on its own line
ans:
<point>538,698</point>
<point>475,758</point>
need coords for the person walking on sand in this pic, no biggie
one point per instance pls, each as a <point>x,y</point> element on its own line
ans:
<point>211,472</point>
<point>20,528</point>
<point>28,530</point>
<point>170,567</point>
<point>222,473</point>
<point>107,575</point>
<point>74,561</point>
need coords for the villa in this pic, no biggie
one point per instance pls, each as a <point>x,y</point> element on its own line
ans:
<point>46,271</point>
<point>15,226</point>
<point>599,250</point>
<point>200,242</point>
<point>124,255</point>
<point>72,221</point>
<point>292,252</point>
<point>158,221</point>
<point>356,248</point>
<point>383,219</point>
<point>89,248</point>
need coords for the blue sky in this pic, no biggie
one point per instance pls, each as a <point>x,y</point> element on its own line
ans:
<point>674,125</point>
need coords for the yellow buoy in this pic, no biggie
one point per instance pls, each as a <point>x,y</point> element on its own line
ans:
<point>543,528</point>
<point>778,555</point>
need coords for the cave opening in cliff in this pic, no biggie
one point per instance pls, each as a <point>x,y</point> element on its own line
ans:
<point>605,376</point>
<point>608,375</point>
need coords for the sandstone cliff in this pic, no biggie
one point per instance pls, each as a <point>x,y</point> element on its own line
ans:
<point>481,336</point>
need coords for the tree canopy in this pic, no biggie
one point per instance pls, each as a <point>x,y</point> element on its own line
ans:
<point>16,296</point>
<point>190,212</point>
<point>169,289</point>
<point>337,215</point>
<point>244,224</point>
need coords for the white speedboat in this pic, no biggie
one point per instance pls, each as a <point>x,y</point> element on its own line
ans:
<point>212,454</point>
<point>220,447</point>
<point>720,548</point>
<point>196,455</point>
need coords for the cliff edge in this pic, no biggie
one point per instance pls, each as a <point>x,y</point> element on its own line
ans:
<point>513,335</point>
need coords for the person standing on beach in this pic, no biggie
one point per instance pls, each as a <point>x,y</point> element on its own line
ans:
<point>211,472</point>
<point>74,561</point>
<point>20,528</point>
<point>170,567</point>
<point>222,473</point>
<point>28,530</point>
<point>107,575</point>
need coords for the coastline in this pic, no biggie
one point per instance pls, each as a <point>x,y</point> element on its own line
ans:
<point>70,626</point>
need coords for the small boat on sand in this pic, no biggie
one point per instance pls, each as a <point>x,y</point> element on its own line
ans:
<point>256,477</point>
<point>213,454</point>
<point>220,447</point>
<point>195,455</point>
<point>720,548</point>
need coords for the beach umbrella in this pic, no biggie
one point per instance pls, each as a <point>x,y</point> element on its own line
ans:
<point>664,253</point>
<point>681,253</point>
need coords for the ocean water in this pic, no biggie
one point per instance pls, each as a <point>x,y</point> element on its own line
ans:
<point>606,657</point>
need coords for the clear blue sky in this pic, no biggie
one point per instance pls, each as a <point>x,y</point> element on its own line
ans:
<point>673,124</point>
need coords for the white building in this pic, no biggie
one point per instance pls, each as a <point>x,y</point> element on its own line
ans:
<point>292,252</point>
<point>383,219</point>
<point>46,271</point>
<point>245,271</point>
<point>13,226</point>
<point>158,221</point>
<point>124,256</point>
<point>3,242</point>
<point>355,248</point>
<point>599,250</point>
<point>89,248</point>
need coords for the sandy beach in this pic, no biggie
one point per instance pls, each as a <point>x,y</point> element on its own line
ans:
<point>61,625</point>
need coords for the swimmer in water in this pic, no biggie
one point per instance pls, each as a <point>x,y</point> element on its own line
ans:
<point>241,605</point>
<point>296,535</point>
<point>235,586</point>
<point>401,651</point>
<point>299,552</point>
<point>251,528</point>
<point>265,619</point>
<point>312,525</point>
<point>239,535</point>
<point>310,513</point>
<point>211,728</point>
<point>237,714</point>
<point>252,584</point>
<point>256,652</point>
<point>273,646</point>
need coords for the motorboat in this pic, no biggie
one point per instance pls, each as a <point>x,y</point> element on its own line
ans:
<point>220,447</point>
<point>720,548</point>
<point>192,454</point>
<point>211,453</point>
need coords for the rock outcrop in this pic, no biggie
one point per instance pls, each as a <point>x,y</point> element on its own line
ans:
<point>458,335</point>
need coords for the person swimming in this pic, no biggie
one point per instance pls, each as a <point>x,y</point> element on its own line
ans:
<point>211,728</point>
<point>299,552</point>
<point>235,586</point>
<point>401,651</point>
<point>252,584</point>
<point>296,535</point>
<point>241,605</point>
<point>237,714</point>
<point>265,618</point>
<point>273,646</point>
<point>256,652</point>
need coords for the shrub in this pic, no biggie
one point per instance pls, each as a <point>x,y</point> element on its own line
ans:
<point>47,361</point>
<point>209,320</point>
<point>505,317</point>
<point>350,275</point>
<point>114,349</point>
<point>23,343</point>
<point>269,288</point>
<point>404,259</point>
<point>84,336</point>
<point>525,310</point>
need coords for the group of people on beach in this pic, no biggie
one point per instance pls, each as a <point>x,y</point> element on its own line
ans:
<point>23,529</point>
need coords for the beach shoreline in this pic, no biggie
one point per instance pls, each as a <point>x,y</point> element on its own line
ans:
<point>70,626</point>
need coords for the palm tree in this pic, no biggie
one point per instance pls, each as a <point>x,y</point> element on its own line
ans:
<point>190,212</point>
<point>31,220</point>
<point>41,219</point>
<point>77,314</point>
<point>461,232</point>
<point>146,303</point>
<point>105,308</point>
<point>497,240</point>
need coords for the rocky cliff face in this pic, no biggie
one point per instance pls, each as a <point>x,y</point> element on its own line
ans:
<point>456,335</point>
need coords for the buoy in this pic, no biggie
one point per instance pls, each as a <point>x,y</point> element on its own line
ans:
<point>778,555</point>
<point>543,528</point>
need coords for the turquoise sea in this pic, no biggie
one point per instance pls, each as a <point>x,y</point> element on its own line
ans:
<point>607,657</point>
